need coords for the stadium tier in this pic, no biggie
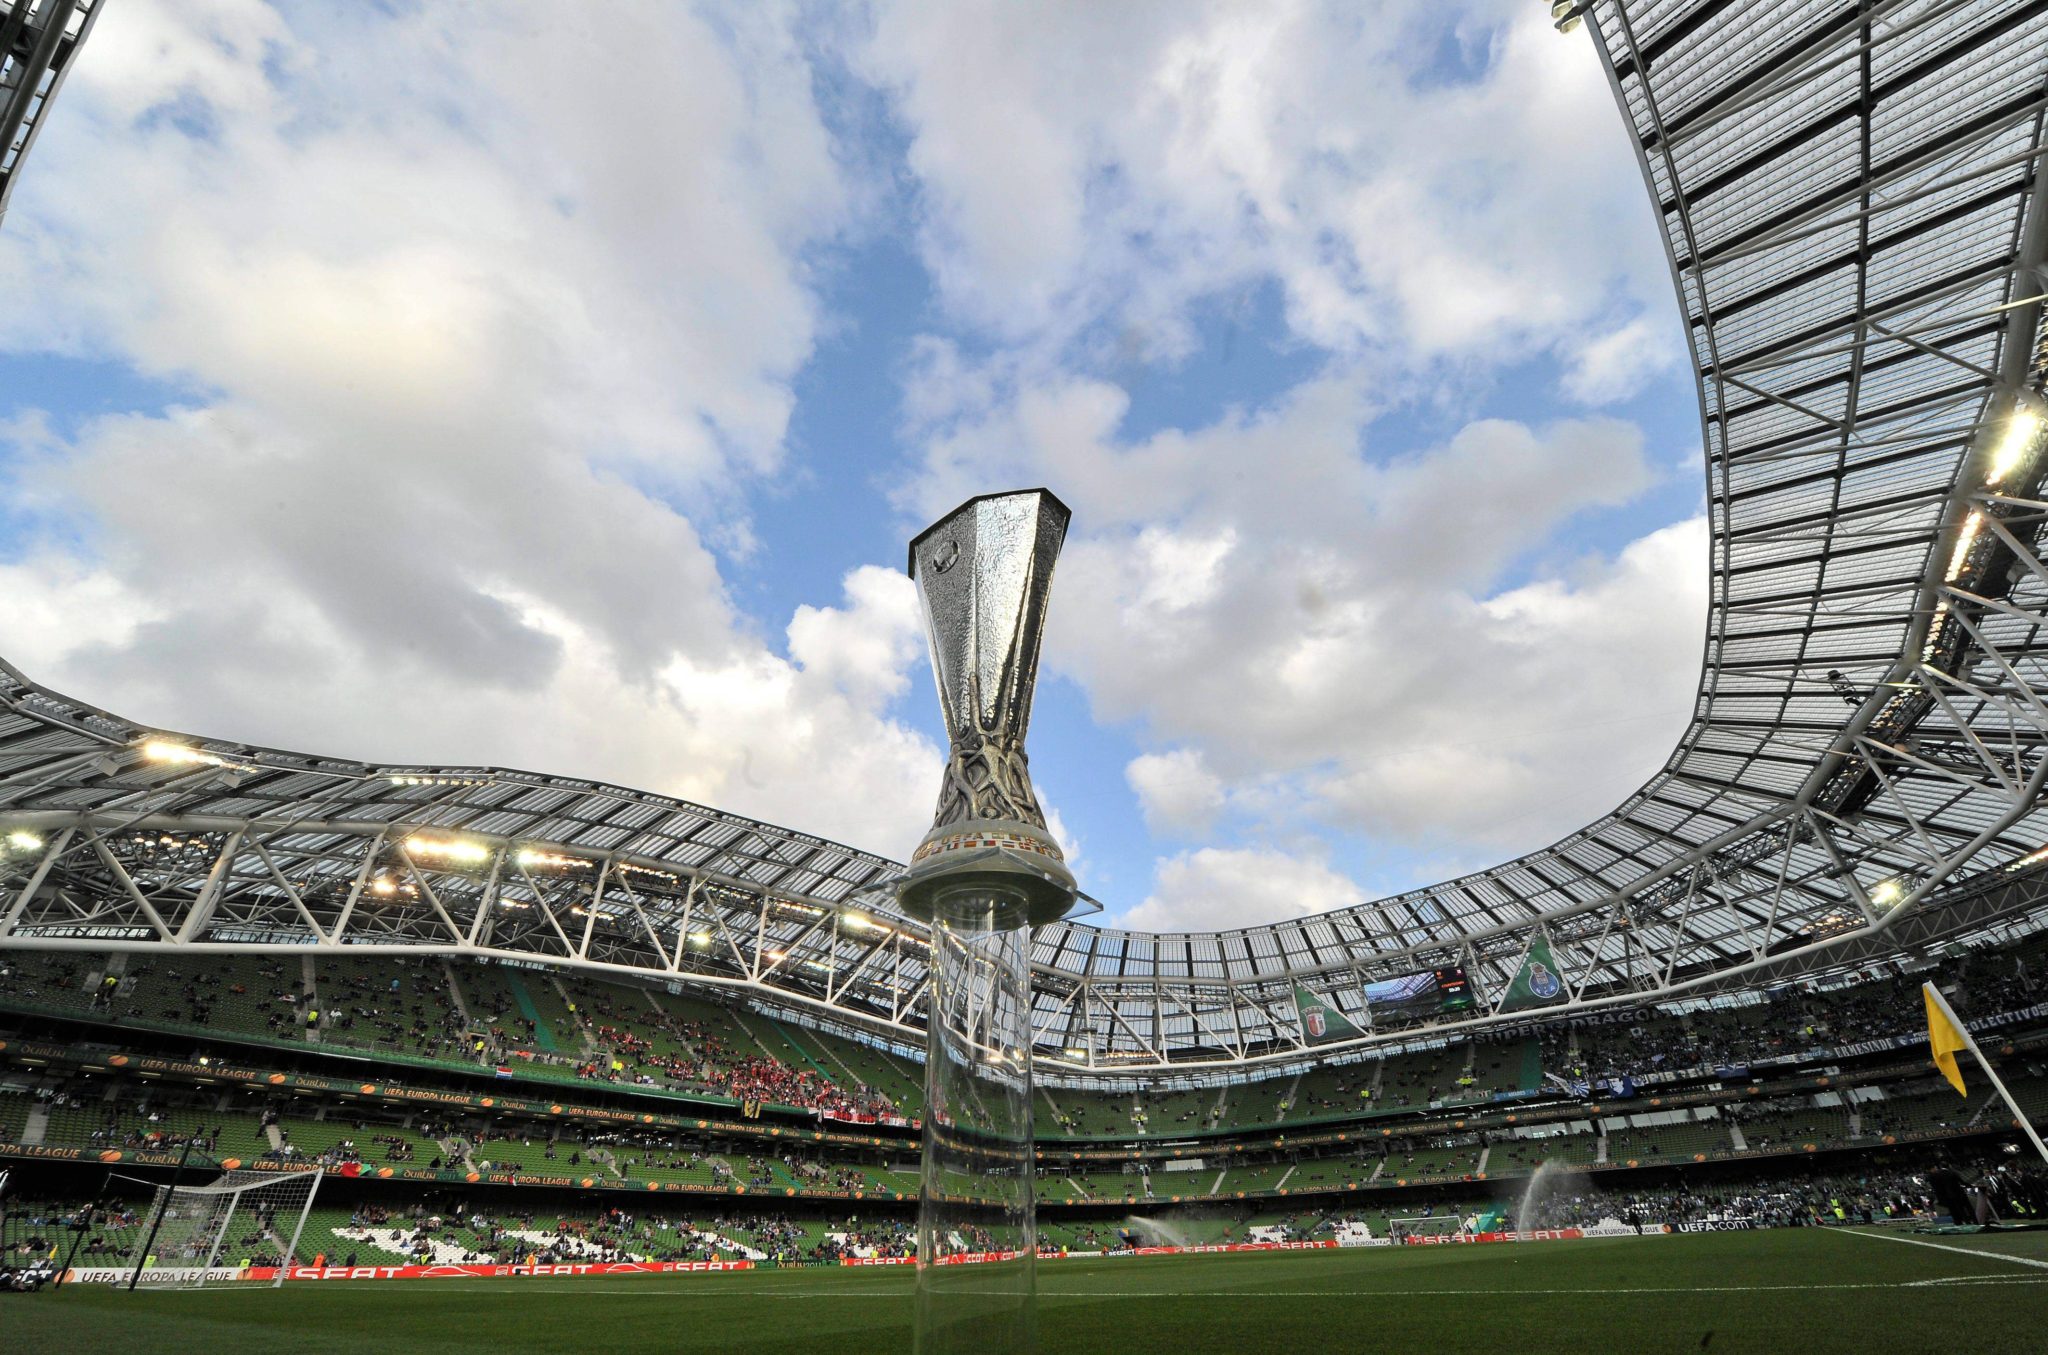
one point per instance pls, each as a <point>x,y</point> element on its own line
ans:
<point>480,1076</point>
<point>569,1028</point>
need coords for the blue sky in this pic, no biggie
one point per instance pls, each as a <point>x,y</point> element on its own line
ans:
<point>360,396</point>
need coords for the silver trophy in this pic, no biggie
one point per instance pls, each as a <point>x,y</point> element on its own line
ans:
<point>984,877</point>
<point>983,572</point>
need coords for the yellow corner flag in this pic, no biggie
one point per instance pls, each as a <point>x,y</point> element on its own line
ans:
<point>1945,1040</point>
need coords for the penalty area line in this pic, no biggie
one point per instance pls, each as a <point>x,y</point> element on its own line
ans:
<point>2006,1257</point>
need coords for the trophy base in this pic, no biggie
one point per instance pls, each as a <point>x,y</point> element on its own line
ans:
<point>989,873</point>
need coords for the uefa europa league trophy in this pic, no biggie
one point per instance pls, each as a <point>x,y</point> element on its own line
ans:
<point>984,877</point>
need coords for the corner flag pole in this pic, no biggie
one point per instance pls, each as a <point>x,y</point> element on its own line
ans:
<point>1970,1042</point>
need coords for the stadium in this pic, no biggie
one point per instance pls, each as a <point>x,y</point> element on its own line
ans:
<point>339,1055</point>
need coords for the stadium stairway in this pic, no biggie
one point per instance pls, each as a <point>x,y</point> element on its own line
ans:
<point>553,999</point>
<point>786,1038</point>
<point>1059,1117</point>
<point>309,1031</point>
<point>461,1004</point>
<point>1286,1102</point>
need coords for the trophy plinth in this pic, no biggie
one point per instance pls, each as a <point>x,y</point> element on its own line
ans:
<point>1016,865</point>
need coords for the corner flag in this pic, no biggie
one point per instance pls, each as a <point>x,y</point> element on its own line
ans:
<point>1945,1039</point>
<point>1946,1033</point>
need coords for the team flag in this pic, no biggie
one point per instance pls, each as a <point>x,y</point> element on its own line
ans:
<point>1944,1039</point>
<point>1319,1017</point>
<point>1537,983</point>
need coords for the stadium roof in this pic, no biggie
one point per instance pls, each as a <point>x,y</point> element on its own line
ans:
<point>1851,196</point>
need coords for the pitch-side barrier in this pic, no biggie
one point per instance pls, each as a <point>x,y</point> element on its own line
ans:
<point>578,1270</point>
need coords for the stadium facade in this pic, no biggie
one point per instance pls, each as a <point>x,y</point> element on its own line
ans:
<point>1851,197</point>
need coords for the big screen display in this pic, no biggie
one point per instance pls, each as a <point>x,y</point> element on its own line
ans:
<point>1419,997</point>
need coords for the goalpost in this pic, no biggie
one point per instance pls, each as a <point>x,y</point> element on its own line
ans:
<point>196,1234</point>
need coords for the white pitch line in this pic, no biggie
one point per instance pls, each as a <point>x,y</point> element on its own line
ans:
<point>1944,1246</point>
<point>905,1295</point>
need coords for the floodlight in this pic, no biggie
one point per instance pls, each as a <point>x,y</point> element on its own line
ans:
<point>2018,443</point>
<point>449,849</point>
<point>1965,541</point>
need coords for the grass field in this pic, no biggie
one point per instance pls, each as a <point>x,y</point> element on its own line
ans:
<point>1807,1291</point>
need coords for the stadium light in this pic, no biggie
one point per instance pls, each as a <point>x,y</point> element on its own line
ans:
<point>1965,540</point>
<point>184,755</point>
<point>448,849</point>
<point>533,856</point>
<point>22,840</point>
<point>2017,445</point>
<point>1886,893</point>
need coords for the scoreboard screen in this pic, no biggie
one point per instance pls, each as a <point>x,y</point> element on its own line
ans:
<point>1455,988</point>
<point>1418,997</point>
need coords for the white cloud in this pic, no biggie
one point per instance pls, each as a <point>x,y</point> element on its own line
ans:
<point>1218,888</point>
<point>1617,364</point>
<point>1313,637</point>
<point>1178,795</point>
<point>1307,626</point>
<point>1151,155</point>
<point>482,311</point>
<point>749,732</point>
<point>1070,844</point>
<point>869,647</point>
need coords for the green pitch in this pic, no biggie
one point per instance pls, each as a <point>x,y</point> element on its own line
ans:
<point>1807,1291</point>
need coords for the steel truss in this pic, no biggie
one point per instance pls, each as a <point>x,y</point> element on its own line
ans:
<point>38,39</point>
<point>1851,196</point>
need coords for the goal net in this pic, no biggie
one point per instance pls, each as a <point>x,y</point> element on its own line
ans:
<point>191,1236</point>
<point>1426,1225</point>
